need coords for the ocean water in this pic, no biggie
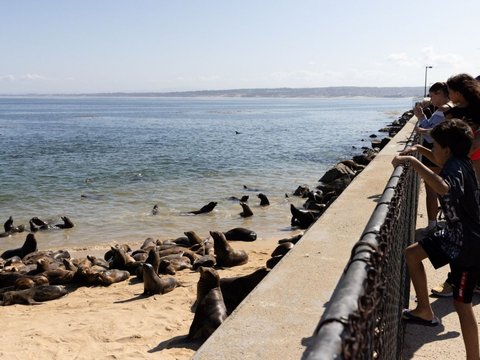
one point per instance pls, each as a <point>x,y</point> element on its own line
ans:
<point>106,161</point>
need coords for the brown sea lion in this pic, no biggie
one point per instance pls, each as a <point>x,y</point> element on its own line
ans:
<point>208,260</point>
<point>225,254</point>
<point>59,276</point>
<point>153,284</point>
<point>109,277</point>
<point>194,237</point>
<point>247,212</point>
<point>29,246</point>
<point>240,234</point>
<point>171,266</point>
<point>294,239</point>
<point>273,261</point>
<point>236,289</point>
<point>263,200</point>
<point>210,310</point>
<point>33,296</point>
<point>205,209</point>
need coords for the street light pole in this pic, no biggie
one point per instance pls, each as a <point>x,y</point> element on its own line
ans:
<point>425,88</point>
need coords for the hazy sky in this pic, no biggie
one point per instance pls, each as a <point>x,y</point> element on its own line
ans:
<point>62,46</point>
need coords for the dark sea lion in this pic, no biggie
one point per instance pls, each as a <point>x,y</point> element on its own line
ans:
<point>171,266</point>
<point>302,218</point>
<point>29,246</point>
<point>10,229</point>
<point>263,199</point>
<point>236,289</point>
<point>7,226</point>
<point>282,249</point>
<point>225,254</point>
<point>109,254</point>
<point>155,209</point>
<point>67,224</point>
<point>294,239</point>
<point>59,276</point>
<point>210,310</point>
<point>148,244</point>
<point>153,284</point>
<point>240,234</point>
<point>245,187</point>
<point>34,296</point>
<point>206,209</point>
<point>247,212</point>
<point>244,198</point>
<point>273,261</point>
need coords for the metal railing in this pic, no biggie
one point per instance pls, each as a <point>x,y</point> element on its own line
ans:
<point>363,317</point>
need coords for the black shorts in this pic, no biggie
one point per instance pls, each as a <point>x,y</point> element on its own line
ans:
<point>463,279</point>
<point>425,160</point>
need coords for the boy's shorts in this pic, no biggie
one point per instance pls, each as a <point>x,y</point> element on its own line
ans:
<point>463,279</point>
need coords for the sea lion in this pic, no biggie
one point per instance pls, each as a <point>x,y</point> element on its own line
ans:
<point>171,266</point>
<point>273,261</point>
<point>225,254</point>
<point>240,234</point>
<point>263,200</point>
<point>29,246</point>
<point>109,277</point>
<point>38,224</point>
<point>59,276</point>
<point>244,198</point>
<point>236,289</point>
<point>155,209</point>
<point>193,237</point>
<point>10,229</point>
<point>33,296</point>
<point>208,260</point>
<point>210,310</point>
<point>153,284</point>
<point>245,187</point>
<point>282,249</point>
<point>247,212</point>
<point>302,218</point>
<point>294,239</point>
<point>206,209</point>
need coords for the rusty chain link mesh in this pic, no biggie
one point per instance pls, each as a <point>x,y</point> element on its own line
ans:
<point>363,317</point>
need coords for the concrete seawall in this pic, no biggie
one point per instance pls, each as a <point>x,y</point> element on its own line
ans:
<point>277,319</point>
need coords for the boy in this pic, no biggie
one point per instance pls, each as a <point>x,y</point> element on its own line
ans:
<point>458,244</point>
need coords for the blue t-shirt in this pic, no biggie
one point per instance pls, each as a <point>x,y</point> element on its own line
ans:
<point>461,207</point>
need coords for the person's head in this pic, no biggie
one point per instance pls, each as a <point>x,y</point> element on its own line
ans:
<point>438,93</point>
<point>451,138</point>
<point>463,89</point>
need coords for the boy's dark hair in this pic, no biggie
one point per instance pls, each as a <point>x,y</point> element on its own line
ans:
<point>439,86</point>
<point>454,134</point>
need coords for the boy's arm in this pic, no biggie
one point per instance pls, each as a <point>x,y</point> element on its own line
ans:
<point>433,180</point>
<point>422,150</point>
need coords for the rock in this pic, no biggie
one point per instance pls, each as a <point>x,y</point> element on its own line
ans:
<point>337,171</point>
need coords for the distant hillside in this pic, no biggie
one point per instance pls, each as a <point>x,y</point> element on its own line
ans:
<point>286,92</point>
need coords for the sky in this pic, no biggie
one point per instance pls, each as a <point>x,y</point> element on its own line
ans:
<point>90,46</point>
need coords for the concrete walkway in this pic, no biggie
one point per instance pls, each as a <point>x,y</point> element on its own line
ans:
<point>277,319</point>
<point>444,341</point>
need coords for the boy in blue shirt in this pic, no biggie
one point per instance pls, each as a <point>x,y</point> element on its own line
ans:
<point>458,244</point>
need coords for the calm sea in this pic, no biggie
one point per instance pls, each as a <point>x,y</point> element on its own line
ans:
<point>105,162</point>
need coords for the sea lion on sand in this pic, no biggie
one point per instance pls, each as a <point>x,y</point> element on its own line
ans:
<point>247,212</point>
<point>108,277</point>
<point>294,239</point>
<point>225,254</point>
<point>273,261</point>
<point>206,209</point>
<point>193,237</point>
<point>153,284</point>
<point>210,310</point>
<point>236,289</point>
<point>208,260</point>
<point>171,266</point>
<point>263,200</point>
<point>240,234</point>
<point>282,249</point>
<point>33,296</point>
<point>29,246</point>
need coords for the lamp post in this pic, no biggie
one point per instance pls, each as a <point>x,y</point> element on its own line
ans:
<point>425,88</point>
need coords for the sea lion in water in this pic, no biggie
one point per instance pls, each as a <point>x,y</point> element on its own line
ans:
<point>302,218</point>
<point>155,209</point>
<point>33,296</point>
<point>244,198</point>
<point>263,200</point>
<point>236,289</point>
<point>210,309</point>
<point>10,229</point>
<point>29,246</point>
<point>38,224</point>
<point>206,209</point>
<point>246,210</point>
<point>153,284</point>
<point>225,254</point>
<point>240,234</point>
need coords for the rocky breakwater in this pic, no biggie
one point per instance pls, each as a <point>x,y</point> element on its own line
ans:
<point>337,178</point>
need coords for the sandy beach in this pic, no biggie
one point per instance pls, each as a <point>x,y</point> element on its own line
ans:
<point>113,322</point>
